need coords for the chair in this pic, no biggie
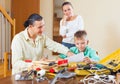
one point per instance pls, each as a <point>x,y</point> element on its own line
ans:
<point>7,64</point>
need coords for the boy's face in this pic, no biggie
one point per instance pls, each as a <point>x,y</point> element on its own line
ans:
<point>81,43</point>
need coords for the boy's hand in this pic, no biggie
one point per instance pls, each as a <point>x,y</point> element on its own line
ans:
<point>87,60</point>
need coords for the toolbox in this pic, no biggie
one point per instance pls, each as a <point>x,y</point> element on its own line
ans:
<point>83,71</point>
<point>112,62</point>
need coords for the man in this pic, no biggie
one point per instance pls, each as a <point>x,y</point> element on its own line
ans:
<point>30,43</point>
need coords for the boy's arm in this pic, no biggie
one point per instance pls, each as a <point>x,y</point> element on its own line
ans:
<point>94,57</point>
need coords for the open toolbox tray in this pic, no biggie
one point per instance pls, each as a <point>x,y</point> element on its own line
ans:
<point>112,62</point>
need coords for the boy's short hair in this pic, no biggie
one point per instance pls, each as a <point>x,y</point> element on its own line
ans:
<point>80,34</point>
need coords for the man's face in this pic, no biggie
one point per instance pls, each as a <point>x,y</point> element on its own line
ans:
<point>81,43</point>
<point>38,27</point>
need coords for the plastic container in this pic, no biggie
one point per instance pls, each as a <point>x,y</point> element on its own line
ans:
<point>112,61</point>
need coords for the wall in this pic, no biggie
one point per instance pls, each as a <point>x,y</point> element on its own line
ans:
<point>2,3</point>
<point>8,5</point>
<point>57,8</point>
<point>101,19</point>
<point>46,10</point>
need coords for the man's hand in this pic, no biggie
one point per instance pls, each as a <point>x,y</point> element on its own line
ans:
<point>44,59</point>
<point>70,53</point>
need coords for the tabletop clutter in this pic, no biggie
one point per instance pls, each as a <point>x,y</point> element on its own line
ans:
<point>104,72</point>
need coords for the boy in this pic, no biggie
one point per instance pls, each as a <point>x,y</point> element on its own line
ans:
<point>81,45</point>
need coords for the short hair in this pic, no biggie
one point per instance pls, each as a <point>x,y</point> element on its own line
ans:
<point>31,19</point>
<point>67,3</point>
<point>80,34</point>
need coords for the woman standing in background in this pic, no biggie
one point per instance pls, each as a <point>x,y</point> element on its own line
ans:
<point>69,24</point>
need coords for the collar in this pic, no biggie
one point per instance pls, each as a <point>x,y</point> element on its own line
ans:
<point>27,36</point>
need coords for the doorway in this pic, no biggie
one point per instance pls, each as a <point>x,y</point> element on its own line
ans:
<point>56,21</point>
<point>21,9</point>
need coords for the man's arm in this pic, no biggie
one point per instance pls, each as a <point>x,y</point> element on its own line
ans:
<point>57,47</point>
<point>18,63</point>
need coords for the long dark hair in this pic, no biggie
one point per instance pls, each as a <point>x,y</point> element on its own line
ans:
<point>31,19</point>
<point>67,3</point>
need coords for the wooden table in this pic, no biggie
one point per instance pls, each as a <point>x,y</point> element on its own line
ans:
<point>11,80</point>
